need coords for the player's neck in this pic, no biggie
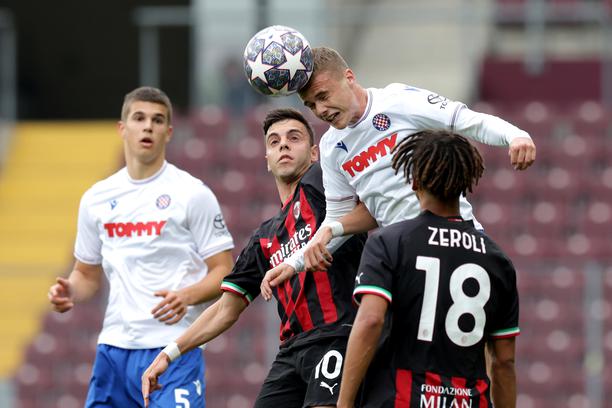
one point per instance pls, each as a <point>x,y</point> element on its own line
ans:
<point>362,99</point>
<point>438,207</point>
<point>286,190</point>
<point>138,170</point>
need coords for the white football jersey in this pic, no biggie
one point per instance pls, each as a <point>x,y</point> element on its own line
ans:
<point>148,235</point>
<point>356,160</point>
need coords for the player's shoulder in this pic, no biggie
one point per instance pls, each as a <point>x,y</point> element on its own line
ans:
<point>183,176</point>
<point>115,181</point>
<point>397,97</point>
<point>267,228</point>
<point>496,252</point>
<point>329,139</point>
<point>400,89</point>
<point>185,181</point>
<point>313,176</point>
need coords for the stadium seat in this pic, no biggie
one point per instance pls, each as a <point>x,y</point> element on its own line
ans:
<point>210,122</point>
<point>500,185</point>
<point>548,218</point>
<point>495,157</point>
<point>595,219</point>
<point>591,118</point>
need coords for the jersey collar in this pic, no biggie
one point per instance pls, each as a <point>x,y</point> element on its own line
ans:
<point>148,179</point>
<point>452,218</point>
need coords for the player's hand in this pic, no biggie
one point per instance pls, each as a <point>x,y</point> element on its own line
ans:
<point>150,376</point>
<point>60,295</point>
<point>316,255</point>
<point>522,153</point>
<point>275,277</point>
<point>172,309</point>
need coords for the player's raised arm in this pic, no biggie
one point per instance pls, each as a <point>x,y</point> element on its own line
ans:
<point>495,131</point>
<point>212,322</point>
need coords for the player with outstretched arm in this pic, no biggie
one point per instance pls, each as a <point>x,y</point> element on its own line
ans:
<point>365,126</point>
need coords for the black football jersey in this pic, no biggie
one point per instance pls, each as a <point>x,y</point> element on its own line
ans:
<point>450,289</point>
<point>310,305</point>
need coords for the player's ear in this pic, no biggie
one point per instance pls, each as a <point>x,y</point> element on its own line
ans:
<point>314,153</point>
<point>350,76</point>
<point>121,129</point>
<point>267,163</point>
<point>170,133</point>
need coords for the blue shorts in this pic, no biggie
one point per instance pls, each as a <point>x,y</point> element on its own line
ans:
<point>115,381</point>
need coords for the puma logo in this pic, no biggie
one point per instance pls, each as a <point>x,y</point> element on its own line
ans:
<point>358,278</point>
<point>331,389</point>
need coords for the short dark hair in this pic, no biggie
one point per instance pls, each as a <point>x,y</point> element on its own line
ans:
<point>325,59</point>
<point>278,115</point>
<point>146,94</point>
<point>443,163</point>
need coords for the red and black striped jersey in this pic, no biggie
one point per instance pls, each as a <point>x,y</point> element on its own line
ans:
<point>310,305</point>
<point>450,289</point>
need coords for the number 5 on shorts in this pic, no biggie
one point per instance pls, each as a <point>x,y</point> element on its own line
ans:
<point>180,395</point>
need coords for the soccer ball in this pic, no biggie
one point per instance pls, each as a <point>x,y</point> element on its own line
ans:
<point>278,61</point>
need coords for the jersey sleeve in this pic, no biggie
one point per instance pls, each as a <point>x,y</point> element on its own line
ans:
<point>431,111</point>
<point>247,274</point>
<point>506,323</point>
<point>375,273</point>
<point>88,245</point>
<point>206,223</point>
<point>487,129</point>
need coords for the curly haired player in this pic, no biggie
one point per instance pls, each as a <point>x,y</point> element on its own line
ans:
<point>450,290</point>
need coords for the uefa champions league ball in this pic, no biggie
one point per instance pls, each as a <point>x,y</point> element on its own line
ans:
<point>278,61</point>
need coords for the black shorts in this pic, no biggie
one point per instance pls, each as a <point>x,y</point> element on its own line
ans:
<point>305,376</point>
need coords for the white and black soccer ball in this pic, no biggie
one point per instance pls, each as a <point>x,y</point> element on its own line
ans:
<point>278,61</point>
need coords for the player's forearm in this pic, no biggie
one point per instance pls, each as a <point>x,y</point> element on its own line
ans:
<point>503,384</point>
<point>358,220</point>
<point>209,287</point>
<point>84,284</point>
<point>215,320</point>
<point>360,352</point>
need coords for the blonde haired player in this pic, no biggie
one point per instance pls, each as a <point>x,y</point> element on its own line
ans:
<point>361,189</point>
